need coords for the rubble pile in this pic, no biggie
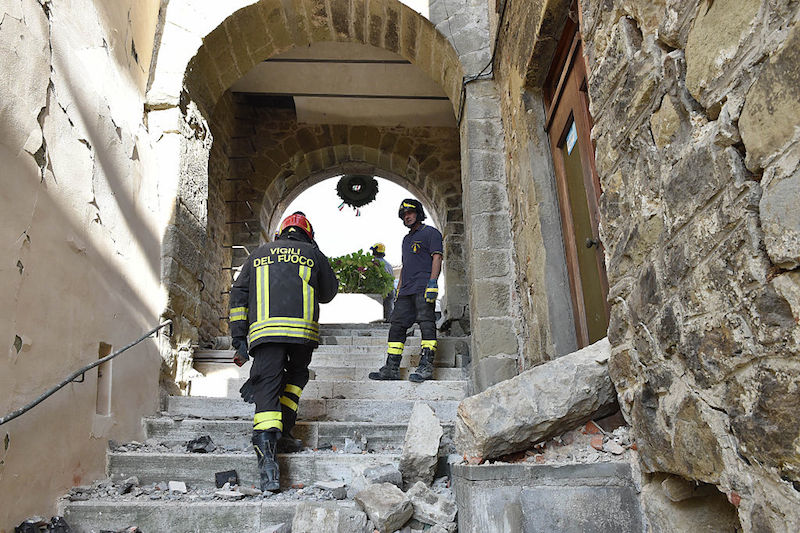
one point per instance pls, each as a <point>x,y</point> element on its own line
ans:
<point>405,499</point>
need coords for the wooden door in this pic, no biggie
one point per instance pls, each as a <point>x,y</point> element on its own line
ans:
<point>569,125</point>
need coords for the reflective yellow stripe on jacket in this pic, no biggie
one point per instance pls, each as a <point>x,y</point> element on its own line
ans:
<point>284,327</point>
<point>238,313</point>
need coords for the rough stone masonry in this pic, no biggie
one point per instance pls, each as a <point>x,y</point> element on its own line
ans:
<point>696,124</point>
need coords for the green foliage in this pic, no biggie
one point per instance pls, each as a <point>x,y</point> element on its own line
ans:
<point>361,273</point>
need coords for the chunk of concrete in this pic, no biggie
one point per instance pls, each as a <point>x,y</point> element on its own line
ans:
<point>540,403</point>
<point>375,474</point>
<point>328,517</point>
<point>384,474</point>
<point>421,445</point>
<point>386,506</point>
<point>430,507</point>
<point>177,486</point>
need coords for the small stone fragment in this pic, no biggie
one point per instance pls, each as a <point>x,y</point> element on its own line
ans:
<point>229,494</point>
<point>352,446</point>
<point>613,447</point>
<point>128,485</point>
<point>177,486</point>
<point>202,444</point>
<point>327,516</point>
<point>249,491</point>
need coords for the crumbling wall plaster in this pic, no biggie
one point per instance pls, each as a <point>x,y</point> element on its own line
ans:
<point>81,238</point>
<point>697,128</point>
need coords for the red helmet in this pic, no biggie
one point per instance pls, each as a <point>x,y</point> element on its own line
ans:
<point>298,220</point>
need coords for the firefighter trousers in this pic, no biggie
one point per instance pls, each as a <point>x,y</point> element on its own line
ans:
<point>277,378</point>
<point>407,310</point>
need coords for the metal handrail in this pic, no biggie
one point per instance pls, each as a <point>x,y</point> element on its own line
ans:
<point>11,416</point>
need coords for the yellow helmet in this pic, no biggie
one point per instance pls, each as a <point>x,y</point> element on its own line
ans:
<point>378,248</point>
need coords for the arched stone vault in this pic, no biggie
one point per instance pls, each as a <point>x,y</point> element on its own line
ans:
<point>273,158</point>
<point>207,208</point>
<point>270,27</point>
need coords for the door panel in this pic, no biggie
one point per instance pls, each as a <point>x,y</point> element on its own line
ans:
<point>569,126</point>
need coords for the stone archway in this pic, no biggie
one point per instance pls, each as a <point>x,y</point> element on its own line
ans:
<point>272,168</point>
<point>200,237</point>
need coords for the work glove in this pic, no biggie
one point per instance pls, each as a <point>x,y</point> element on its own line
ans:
<point>432,291</point>
<point>241,356</point>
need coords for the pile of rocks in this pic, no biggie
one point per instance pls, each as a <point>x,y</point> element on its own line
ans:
<point>388,499</point>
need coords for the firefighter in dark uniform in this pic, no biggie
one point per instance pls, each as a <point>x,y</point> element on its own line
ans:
<point>275,311</point>
<point>416,297</point>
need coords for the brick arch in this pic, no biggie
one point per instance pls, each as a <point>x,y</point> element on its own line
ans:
<point>266,28</point>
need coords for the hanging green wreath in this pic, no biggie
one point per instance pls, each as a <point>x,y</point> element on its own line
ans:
<point>357,190</point>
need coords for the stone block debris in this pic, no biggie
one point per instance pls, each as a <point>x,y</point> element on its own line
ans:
<point>386,506</point>
<point>430,507</point>
<point>421,445</point>
<point>376,474</point>
<point>337,489</point>
<point>202,444</point>
<point>313,517</point>
<point>229,476</point>
<point>539,403</point>
<point>128,485</point>
<point>177,486</point>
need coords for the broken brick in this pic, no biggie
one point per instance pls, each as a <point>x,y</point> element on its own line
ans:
<point>591,429</point>
<point>597,442</point>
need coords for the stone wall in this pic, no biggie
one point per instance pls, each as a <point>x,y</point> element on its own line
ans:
<point>217,255</point>
<point>697,128</point>
<point>525,48</point>
<point>82,216</point>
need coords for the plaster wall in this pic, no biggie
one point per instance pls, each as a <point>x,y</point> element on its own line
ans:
<point>81,225</point>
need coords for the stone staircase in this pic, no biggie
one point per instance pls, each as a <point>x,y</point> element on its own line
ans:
<point>348,422</point>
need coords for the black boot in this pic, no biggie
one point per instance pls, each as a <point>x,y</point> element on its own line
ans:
<point>265,445</point>
<point>288,443</point>
<point>389,371</point>
<point>425,369</point>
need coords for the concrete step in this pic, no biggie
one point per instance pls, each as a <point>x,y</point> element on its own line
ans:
<point>251,515</point>
<point>215,375</point>
<point>352,358</point>
<point>320,389</point>
<point>376,411</point>
<point>235,434</point>
<point>349,340</point>
<point>375,361</point>
<point>362,373</point>
<point>197,469</point>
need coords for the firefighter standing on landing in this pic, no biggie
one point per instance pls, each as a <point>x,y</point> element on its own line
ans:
<point>275,310</point>
<point>417,292</point>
